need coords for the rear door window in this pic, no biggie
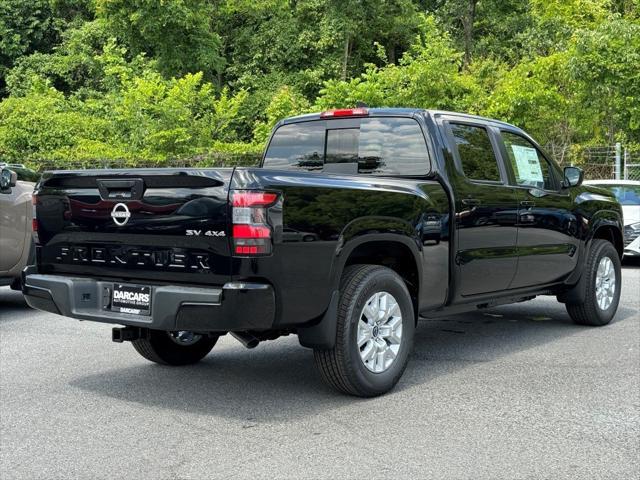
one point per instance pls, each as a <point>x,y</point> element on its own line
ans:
<point>477,157</point>
<point>377,145</point>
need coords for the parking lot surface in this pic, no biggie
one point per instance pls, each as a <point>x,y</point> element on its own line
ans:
<point>514,392</point>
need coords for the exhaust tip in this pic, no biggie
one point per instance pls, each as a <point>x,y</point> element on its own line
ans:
<point>246,339</point>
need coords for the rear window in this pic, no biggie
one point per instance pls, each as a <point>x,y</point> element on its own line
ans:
<point>25,174</point>
<point>379,146</point>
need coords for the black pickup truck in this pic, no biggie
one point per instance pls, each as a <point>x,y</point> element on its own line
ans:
<point>357,222</point>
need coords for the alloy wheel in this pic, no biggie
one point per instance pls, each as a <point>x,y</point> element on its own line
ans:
<point>379,332</point>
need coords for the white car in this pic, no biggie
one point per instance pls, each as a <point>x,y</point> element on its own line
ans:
<point>628,194</point>
<point>16,244</point>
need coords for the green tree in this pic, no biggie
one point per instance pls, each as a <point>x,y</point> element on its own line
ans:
<point>538,95</point>
<point>428,76</point>
<point>151,80</point>
<point>34,26</point>
<point>44,125</point>
<point>177,33</point>
<point>70,66</point>
<point>285,103</point>
<point>24,28</point>
<point>605,65</point>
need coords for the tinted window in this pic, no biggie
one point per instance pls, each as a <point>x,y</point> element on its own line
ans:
<point>383,146</point>
<point>24,174</point>
<point>27,175</point>
<point>476,152</point>
<point>298,145</point>
<point>529,166</point>
<point>392,146</point>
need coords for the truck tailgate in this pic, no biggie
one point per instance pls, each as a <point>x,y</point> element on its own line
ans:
<point>159,225</point>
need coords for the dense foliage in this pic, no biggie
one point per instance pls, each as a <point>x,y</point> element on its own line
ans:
<point>153,80</point>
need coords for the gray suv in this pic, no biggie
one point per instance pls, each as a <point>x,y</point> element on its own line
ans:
<point>16,244</point>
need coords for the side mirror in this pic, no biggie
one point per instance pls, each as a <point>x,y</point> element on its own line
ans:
<point>573,177</point>
<point>8,179</point>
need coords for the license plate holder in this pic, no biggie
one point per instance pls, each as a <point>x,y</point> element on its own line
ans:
<point>132,299</point>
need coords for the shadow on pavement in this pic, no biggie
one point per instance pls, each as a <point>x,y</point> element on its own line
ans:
<point>631,262</point>
<point>12,302</point>
<point>278,382</point>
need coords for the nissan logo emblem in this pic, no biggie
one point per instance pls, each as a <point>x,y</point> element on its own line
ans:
<point>120,214</point>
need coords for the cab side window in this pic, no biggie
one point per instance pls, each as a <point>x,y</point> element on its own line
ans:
<point>531,169</point>
<point>297,146</point>
<point>476,152</point>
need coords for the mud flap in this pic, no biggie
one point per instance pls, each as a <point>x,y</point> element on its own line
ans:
<point>322,335</point>
<point>577,294</point>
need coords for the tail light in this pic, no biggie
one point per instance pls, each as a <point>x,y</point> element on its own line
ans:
<point>34,219</point>
<point>251,232</point>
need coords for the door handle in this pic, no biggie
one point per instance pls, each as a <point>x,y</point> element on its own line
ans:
<point>470,202</point>
<point>528,203</point>
<point>111,189</point>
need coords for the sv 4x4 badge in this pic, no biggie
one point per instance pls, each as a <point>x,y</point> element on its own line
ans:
<point>206,233</point>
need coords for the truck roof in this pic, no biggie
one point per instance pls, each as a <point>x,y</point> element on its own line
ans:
<point>401,112</point>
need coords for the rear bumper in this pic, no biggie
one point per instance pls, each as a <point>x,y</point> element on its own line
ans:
<point>232,307</point>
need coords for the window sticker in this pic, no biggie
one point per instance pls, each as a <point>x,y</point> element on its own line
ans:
<point>527,165</point>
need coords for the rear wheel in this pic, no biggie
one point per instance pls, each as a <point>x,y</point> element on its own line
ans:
<point>374,336</point>
<point>174,348</point>
<point>603,284</point>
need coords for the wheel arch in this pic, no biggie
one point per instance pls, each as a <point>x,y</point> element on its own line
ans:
<point>607,224</point>
<point>394,254</point>
<point>612,233</point>
<point>372,249</point>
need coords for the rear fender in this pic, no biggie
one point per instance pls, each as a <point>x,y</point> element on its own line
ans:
<point>322,333</point>
<point>374,229</point>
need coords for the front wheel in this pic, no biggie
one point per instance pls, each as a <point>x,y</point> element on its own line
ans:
<point>603,284</point>
<point>374,335</point>
<point>174,348</point>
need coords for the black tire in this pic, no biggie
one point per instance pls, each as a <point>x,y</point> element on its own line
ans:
<point>589,312</point>
<point>16,284</point>
<point>158,347</point>
<point>341,367</point>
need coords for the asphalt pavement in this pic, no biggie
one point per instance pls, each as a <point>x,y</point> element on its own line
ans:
<point>514,392</point>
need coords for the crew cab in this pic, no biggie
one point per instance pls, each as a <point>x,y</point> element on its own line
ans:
<point>356,223</point>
